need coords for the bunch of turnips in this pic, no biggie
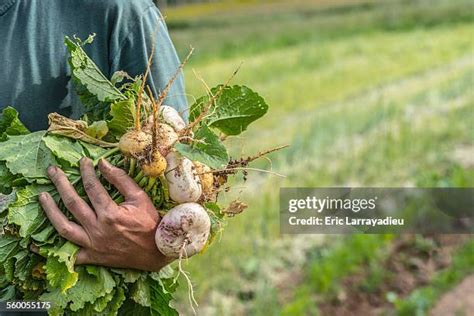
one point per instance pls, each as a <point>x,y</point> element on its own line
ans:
<point>183,167</point>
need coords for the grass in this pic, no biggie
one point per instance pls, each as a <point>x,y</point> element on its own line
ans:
<point>366,92</point>
<point>331,264</point>
<point>257,29</point>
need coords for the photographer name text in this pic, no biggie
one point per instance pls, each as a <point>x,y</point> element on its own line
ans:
<point>345,221</point>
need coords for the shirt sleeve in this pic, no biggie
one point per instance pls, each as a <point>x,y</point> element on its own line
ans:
<point>133,52</point>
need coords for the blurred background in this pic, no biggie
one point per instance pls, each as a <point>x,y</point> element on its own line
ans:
<point>368,93</point>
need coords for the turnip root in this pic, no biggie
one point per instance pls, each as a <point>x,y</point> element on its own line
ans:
<point>183,231</point>
<point>171,117</point>
<point>155,166</point>
<point>183,182</point>
<point>134,143</point>
<point>207,179</point>
<point>166,137</point>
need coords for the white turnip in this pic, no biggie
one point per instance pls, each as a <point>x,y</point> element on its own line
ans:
<point>207,179</point>
<point>171,117</point>
<point>155,166</point>
<point>184,184</point>
<point>183,231</point>
<point>166,137</point>
<point>134,143</point>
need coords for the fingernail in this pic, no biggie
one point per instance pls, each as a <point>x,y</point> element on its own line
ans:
<point>104,163</point>
<point>52,170</point>
<point>42,196</point>
<point>84,160</point>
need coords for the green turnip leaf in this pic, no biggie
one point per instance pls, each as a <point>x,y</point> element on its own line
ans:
<point>98,129</point>
<point>6,200</point>
<point>92,86</point>
<point>93,283</point>
<point>114,305</point>
<point>123,117</point>
<point>26,211</point>
<point>6,179</point>
<point>60,265</point>
<point>206,148</point>
<point>140,292</point>
<point>129,275</point>
<point>160,300</point>
<point>8,293</point>
<point>27,155</point>
<point>129,307</point>
<point>10,124</point>
<point>65,149</point>
<point>233,111</point>
<point>8,246</point>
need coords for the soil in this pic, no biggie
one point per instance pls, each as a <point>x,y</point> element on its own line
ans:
<point>458,301</point>
<point>409,265</point>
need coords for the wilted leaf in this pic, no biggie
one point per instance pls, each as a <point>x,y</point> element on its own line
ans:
<point>24,265</point>
<point>216,217</point>
<point>97,129</point>
<point>60,125</point>
<point>235,207</point>
<point>119,76</point>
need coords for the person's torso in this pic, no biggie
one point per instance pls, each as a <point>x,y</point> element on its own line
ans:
<point>34,75</point>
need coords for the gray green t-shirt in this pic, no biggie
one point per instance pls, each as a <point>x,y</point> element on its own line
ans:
<point>34,74</point>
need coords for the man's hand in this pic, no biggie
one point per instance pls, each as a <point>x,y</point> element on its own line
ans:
<point>120,236</point>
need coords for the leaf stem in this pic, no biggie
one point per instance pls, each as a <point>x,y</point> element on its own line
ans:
<point>164,185</point>
<point>151,183</point>
<point>108,153</point>
<point>143,182</point>
<point>133,163</point>
<point>138,177</point>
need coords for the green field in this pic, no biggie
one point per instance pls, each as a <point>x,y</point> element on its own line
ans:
<point>367,93</point>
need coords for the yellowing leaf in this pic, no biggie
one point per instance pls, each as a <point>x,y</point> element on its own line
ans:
<point>60,265</point>
<point>60,125</point>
